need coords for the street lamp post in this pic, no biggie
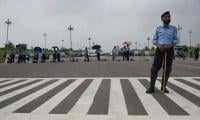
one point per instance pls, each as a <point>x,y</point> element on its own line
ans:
<point>89,43</point>
<point>190,37</point>
<point>62,43</point>
<point>45,38</point>
<point>70,28</point>
<point>148,42</point>
<point>8,22</point>
<point>179,33</point>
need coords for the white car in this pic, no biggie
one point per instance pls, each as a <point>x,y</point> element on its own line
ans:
<point>92,53</point>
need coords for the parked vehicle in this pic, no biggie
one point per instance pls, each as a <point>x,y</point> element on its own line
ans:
<point>92,53</point>
<point>180,51</point>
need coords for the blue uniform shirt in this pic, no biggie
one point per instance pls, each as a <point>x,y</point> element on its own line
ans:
<point>165,35</point>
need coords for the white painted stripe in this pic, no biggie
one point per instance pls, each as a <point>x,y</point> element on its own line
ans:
<point>14,85</point>
<point>191,80</point>
<point>186,105</point>
<point>151,105</point>
<point>14,106</point>
<point>1,79</point>
<point>13,80</point>
<point>54,101</point>
<point>120,117</point>
<point>21,90</point>
<point>42,114</point>
<point>17,116</point>
<point>117,105</point>
<point>185,87</point>
<point>83,104</point>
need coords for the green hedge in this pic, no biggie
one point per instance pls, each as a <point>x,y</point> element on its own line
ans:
<point>2,55</point>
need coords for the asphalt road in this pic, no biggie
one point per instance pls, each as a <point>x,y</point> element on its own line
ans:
<point>137,68</point>
<point>79,90</point>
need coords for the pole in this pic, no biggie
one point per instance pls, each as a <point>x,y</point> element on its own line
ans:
<point>89,43</point>
<point>190,37</point>
<point>70,39</point>
<point>8,22</point>
<point>179,33</point>
<point>45,35</point>
<point>148,41</point>
<point>62,43</point>
<point>70,28</point>
<point>135,45</point>
<point>7,34</point>
<point>165,64</point>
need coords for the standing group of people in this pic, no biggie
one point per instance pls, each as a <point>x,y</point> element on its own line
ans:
<point>18,58</point>
<point>86,54</point>
<point>126,53</point>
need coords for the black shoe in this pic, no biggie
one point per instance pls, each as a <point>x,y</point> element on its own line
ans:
<point>150,91</point>
<point>164,90</point>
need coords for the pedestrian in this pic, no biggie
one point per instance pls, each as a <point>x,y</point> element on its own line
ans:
<point>54,55</point>
<point>98,52</point>
<point>124,52</point>
<point>185,52</point>
<point>43,55</point>
<point>12,56</point>
<point>58,54</point>
<point>114,52</point>
<point>196,54</point>
<point>86,54</point>
<point>165,39</point>
<point>23,57</point>
<point>127,52</point>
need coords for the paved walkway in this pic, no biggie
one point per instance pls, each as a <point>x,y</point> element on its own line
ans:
<point>116,98</point>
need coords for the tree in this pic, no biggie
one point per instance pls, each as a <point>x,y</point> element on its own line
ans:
<point>146,48</point>
<point>21,47</point>
<point>9,45</point>
<point>152,48</point>
<point>66,51</point>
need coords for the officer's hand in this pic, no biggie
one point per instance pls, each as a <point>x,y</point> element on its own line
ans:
<point>161,48</point>
<point>168,46</point>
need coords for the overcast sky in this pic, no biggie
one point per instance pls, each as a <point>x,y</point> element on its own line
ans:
<point>107,22</point>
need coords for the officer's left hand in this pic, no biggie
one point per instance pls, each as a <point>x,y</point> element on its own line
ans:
<point>168,46</point>
<point>161,47</point>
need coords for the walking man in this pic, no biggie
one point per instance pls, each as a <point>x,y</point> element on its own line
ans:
<point>98,52</point>
<point>196,54</point>
<point>114,52</point>
<point>86,54</point>
<point>165,39</point>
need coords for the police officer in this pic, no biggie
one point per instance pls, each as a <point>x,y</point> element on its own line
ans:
<point>114,52</point>
<point>127,52</point>
<point>165,39</point>
<point>124,53</point>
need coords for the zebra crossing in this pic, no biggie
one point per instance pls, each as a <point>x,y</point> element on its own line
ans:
<point>98,98</point>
